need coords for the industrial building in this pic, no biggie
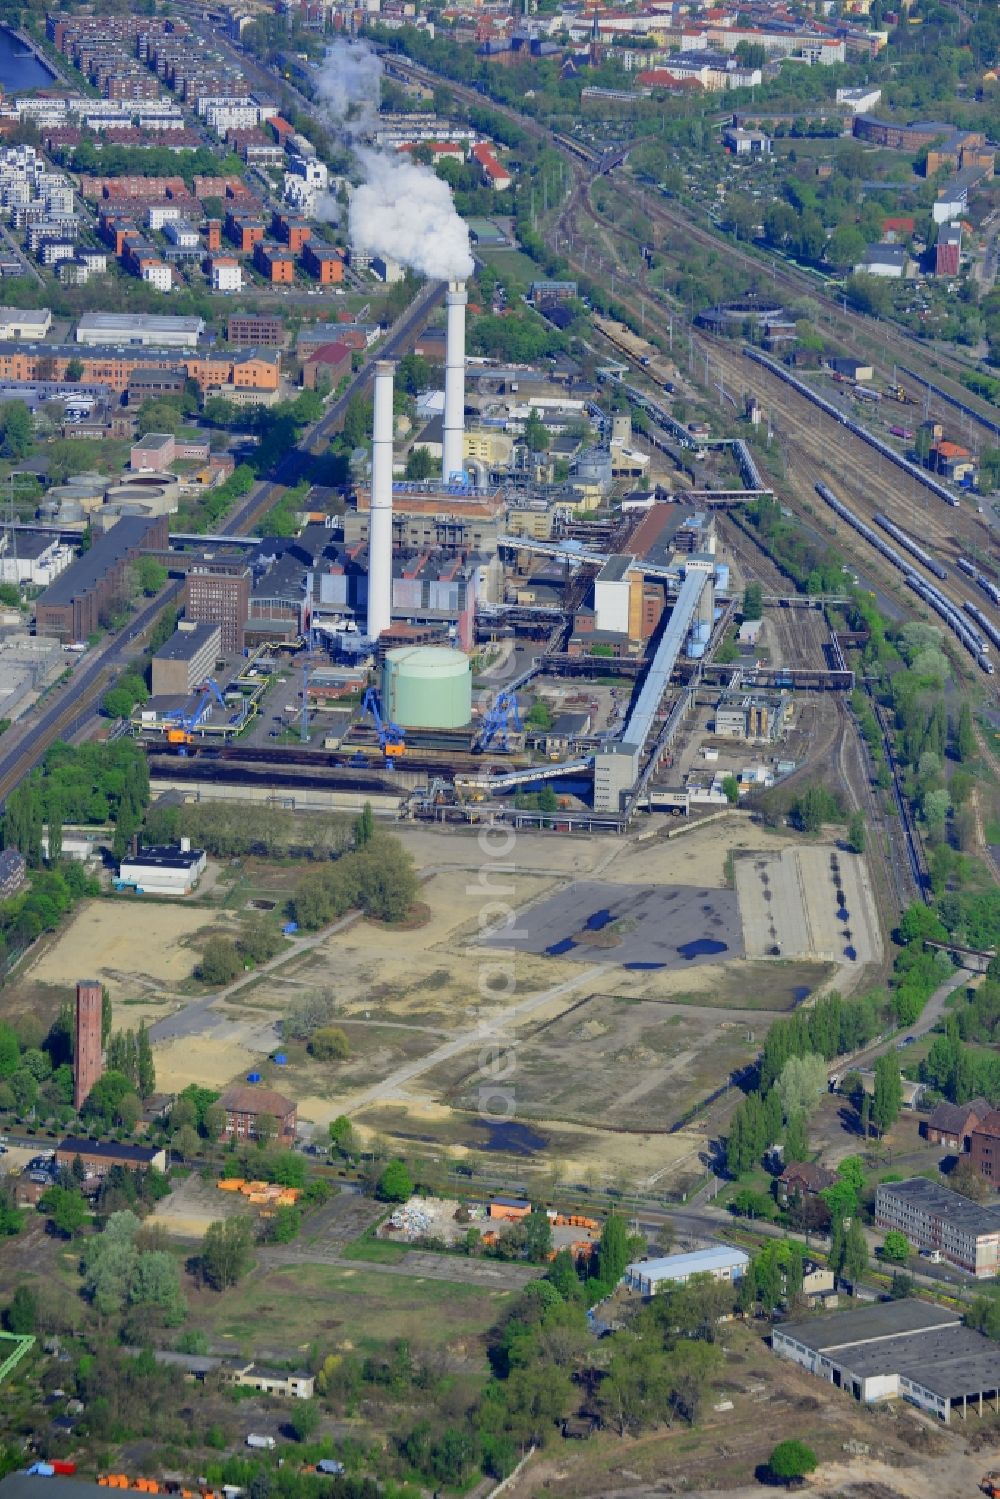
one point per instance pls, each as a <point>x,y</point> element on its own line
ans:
<point>73,606</point>
<point>186,659</point>
<point>148,330</point>
<point>931,1217</point>
<point>427,687</point>
<point>217,591</point>
<point>754,717</point>
<point>28,324</point>
<point>163,871</point>
<point>721,1262</point>
<point>910,1350</point>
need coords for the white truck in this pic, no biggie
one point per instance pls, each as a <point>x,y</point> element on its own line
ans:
<point>262,1444</point>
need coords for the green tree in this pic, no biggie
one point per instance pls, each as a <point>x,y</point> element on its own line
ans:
<point>304,1420</point>
<point>145,1066</point>
<point>74,370</point>
<point>855,1252</point>
<point>888,1097</point>
<point>856,832</point>
<point>152,575</point>
<point>21,1316</point>
<point>220,962</point>
<point>329,1044</point>
<point>420,463</point>
<point>66,1210</point>
<point>896,1247</point>
<point>536,435</point>
<point>537,1235</point>
<point>797,1138</point>
<point>342,1135</point>
<point>613,1250</point>
<point>395,1184</point>
<point>731,789</point>
<point>364,826</point>
<point>226,1252</point>
<point>792,1460</point>
<point>16,431</point>
<point>753,601</point>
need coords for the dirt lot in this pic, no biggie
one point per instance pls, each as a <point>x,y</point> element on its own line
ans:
<point>136,951</point>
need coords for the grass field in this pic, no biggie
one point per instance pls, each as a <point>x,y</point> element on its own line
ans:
<point>296,1306</point>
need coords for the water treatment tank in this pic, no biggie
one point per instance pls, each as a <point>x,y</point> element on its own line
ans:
<point>427,687</point>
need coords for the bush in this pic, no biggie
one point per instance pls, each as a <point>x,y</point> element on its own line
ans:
<point>329,1044</point>
<point>395,1184</point>
<point>791,1460</point>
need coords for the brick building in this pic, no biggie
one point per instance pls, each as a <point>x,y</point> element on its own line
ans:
<point>88,1053</point>
<point>952,1124</point>
<point>72,606</point>
<point>219,593</point>
<point>255,331</point>
<point>246,1104</point>
<point>98,1156</point>
<point>324,263</point>
<point>275,262</point>
<point>984,1147</point>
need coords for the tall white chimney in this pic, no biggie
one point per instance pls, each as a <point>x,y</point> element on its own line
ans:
<point>380,511</point>
<point>453,458</point>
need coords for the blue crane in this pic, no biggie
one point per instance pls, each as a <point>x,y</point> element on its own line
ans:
<point>390,735</point>
<point>183,724</point>
<point>501,717</point>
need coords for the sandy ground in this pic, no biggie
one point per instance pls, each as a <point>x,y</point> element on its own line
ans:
<point>134,950</point>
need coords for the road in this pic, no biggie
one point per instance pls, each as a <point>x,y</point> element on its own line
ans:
<point>932,1013</point>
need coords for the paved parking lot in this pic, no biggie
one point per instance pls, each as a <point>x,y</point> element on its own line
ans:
<point>640,926</point>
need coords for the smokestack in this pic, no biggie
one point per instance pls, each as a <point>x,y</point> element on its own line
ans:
<point>380,510</point>
<point>454,382</point>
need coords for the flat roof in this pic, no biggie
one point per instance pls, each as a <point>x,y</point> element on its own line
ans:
<point>944,1204</point>
<point>183,644</point>
<point>164,858</point>
<point>151,322</point>
<point>616,569</point>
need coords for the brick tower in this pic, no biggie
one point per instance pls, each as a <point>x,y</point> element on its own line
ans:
<point>88,1061</point>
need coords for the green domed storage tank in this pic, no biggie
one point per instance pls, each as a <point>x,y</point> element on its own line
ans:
<point>427,687</point>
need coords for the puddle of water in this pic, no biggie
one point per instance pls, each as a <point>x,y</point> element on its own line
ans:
<point>599,920</point>
<point>643,967</point>
<point>509,1136</point>
<point>850,954</point>
<point>801,992</point>
<point>558,948</point>
<point>701,947</point>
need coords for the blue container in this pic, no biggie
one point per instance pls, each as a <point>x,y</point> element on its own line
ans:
<point>253,1077</point>
<point>290,927</point>
<point>279,1059</point>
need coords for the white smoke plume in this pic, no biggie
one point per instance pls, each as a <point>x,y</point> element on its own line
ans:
<point>405,211</point>
<point>326,208</point>
<point>401,210</point>
<point>348,84</point>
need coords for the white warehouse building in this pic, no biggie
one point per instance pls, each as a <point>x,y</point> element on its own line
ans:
<point>720,1261</point>
<point>163,871</point>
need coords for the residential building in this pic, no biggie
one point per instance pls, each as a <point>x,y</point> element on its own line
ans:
<point>931,1217</point>
<point>182,234</point>
<point>952,461</point>
<point>187,659</point>
<point>859,100</point>
<point>803,1179</point>
<point>164,870</point>
<point>255,330</point>
<point>98,1156</point>
<point>245,1105</point>
<point>984,1147</point>
<point>910,1350</point>
<point>274,262</point>
<point>323,262</point>
<point>72,607</point>
<point>226,273</point>
<point>951,1124</point>
<point>149,330</point>
<point>494,175</point>
<point>244,231</point>
<point>88,1049</point>
<point>542,292</point>
<point>218,592</point>
<point>721,1262</point>
<point>12,872</point>
<point>158,274</point>
<point>293,232</point>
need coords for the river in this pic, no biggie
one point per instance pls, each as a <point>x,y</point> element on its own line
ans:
<point>20,70</point>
